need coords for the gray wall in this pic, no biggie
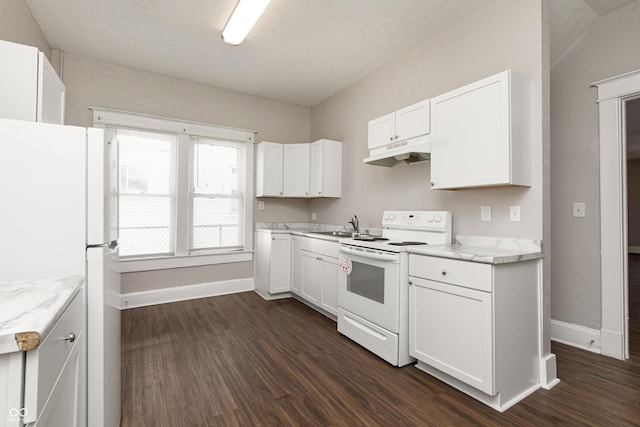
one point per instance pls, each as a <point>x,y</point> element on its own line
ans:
<point>93,83</point>
<point>608,48</point>
<point>505,34</point>
<point>18,25</point>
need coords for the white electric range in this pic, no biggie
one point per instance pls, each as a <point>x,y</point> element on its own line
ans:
<point>374,281</point>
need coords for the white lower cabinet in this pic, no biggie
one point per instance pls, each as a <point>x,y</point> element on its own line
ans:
<point>304,266</point>
<point>320,274</point>
<point>46,386</point>
<point>296,264</point>
<point>272,263</point>
<point>311,288</point>
<point>475,326</point>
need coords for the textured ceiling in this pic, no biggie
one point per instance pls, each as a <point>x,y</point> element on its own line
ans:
<point>301,52</point>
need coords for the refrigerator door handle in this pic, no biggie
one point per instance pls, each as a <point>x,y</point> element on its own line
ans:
<point>111,245</point>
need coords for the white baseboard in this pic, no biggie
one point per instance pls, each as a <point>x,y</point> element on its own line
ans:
<point>183,293</point>
<point>575,335</point>
<point>548,372</point>
<point>613,344</point>
<point>634,249</point>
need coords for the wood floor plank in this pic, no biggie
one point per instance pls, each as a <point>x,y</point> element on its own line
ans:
<point>237,360</point>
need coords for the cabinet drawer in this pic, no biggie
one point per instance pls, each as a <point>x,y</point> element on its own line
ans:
<point>45,363</point>
<point>471,275</point>
<point>319,246</point>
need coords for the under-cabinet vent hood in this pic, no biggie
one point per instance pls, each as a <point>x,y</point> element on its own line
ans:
<point>401,153</point>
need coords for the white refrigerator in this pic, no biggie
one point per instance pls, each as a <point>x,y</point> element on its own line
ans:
<point>58,217</point>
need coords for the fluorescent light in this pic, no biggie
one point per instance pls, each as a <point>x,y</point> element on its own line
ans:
<point>242,20</point>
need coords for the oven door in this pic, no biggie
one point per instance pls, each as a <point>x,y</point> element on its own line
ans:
<point>369,285</point>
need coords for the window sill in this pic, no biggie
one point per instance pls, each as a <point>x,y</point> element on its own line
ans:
<point>168,262</point>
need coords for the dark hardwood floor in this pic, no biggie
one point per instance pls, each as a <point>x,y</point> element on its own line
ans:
<point>238,360</point>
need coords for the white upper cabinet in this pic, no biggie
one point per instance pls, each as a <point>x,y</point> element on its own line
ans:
<point>299,170</point>
<point>30,86</point>
<point>269,169</point>
<point>295,174</point>
<point>406,123</point>
<point>481,134</point>
<point>326,168</point>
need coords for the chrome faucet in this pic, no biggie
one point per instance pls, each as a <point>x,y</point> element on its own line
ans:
<point>354,222</point>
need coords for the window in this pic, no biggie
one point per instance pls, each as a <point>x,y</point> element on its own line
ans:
<point>185,189</point>
<point>146,192</point>
<point>215,196</point>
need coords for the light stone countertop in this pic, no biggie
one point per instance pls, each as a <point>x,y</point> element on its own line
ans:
<point>32,308</point>
<point>486,250</point>
<point>308,229</point>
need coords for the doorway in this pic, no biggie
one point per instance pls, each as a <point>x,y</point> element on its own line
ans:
<point>613,95</point>
<point>631,126</point>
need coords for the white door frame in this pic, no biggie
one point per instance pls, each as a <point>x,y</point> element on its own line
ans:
<point>612,95</point>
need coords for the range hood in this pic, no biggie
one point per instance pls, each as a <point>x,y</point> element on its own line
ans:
<point>401,153</point>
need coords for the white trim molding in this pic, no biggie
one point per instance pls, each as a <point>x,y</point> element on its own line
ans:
<point>576,335</point>
<point>612,94</point>
<point>163,263</point>
<point>549,372</point>
<point>184,293</point>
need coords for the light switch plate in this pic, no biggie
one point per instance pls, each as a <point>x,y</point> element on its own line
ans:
<point>485,213</point>
<point>514,213</point>
<point>579,210</point>
<point>314,216</point>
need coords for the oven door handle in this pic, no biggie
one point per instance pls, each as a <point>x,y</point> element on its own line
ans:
<point>371,255</point>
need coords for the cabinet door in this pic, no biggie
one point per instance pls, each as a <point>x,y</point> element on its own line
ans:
<point>471,135</point>
<point>295,181</point>
<point>296,263</point>
<point>413,121</point>
<point>382,131</point>
<point>51,93</point>
<point>269,164</point>
<point>18,82</point>
<point>279,263</point>
<point>326,169</point>
<point>63,407</point>
<point>450,328</point>
<point>311,277</point>
<point>330,284</point>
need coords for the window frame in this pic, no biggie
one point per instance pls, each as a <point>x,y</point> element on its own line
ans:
<point>186,131</point>
<point>192,194</point>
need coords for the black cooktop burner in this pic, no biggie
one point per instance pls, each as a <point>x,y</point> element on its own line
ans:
<point>406,243</point>
<point>370,239</point>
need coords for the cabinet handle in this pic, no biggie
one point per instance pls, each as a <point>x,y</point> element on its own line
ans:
<point>391,138</point>
<point>395,137</point>
<point>281,193</point>
<point>444,272</point>
<point>410,283</point>
<point>319,192</point>
<point>71,337</point>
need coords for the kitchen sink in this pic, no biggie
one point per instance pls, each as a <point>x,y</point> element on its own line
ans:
<point>332,233</point>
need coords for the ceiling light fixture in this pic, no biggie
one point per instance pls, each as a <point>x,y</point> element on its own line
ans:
<point>242,20</point>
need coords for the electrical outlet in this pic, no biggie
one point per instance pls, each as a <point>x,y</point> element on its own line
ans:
<point>485,213</point>
<point>260,204</point>
<point>514,213</point>
<point>314,216</point>
<point>579,210</point>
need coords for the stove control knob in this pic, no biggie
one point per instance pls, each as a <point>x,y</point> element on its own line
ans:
<point>438,218</point>
<point>392,217</point>
<point>430,219</point>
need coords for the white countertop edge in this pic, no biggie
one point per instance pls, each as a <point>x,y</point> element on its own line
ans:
<point>475,254</point>
<point>33,306</point>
